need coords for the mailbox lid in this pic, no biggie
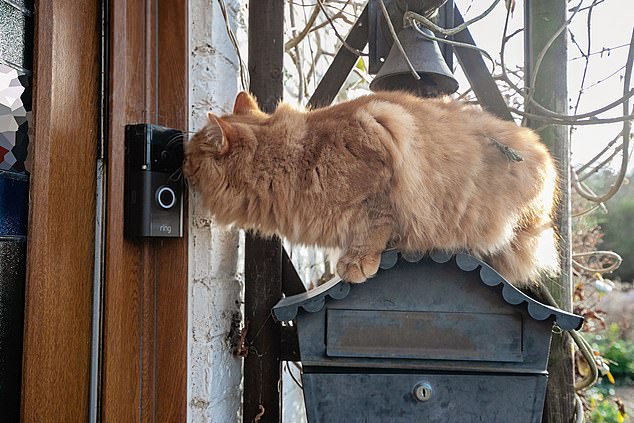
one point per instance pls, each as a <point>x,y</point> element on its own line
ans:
<point>424,315</point>
<point>413,271</point>
<point>374,397</point>
<point>481,322</point>
<point>317,350</point>
<point>424,335</point>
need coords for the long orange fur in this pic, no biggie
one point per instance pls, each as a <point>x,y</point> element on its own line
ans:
<point>384,170</point>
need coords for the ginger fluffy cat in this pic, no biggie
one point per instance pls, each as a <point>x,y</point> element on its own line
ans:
<point>384,170</point>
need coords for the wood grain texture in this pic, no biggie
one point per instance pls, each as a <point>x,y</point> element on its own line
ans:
<point>61,230</point>
<point>145,314</point>
<point>542,19</point>
<point>172,255</point>
<point>123,291</point>
<point>263,258</point>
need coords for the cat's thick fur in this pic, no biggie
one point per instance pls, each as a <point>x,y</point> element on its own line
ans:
<point>385,170</point>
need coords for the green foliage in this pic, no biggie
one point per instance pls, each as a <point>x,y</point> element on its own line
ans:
<point>602,404</point>
<point>603,408</point>
<point>621,357</point>
<point>618,352</point>
<point>606,231</point>
<point>618,227</point>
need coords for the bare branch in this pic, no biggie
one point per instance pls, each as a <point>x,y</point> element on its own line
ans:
<point>598,156</point>
<point>411,16</point>
<point>626,141</point>
<point>299,37</point>
<point>334,28</point>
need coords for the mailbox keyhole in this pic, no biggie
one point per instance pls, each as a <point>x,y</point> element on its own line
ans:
<point>422,392</point>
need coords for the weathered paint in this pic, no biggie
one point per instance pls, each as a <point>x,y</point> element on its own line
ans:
<point>215,285</point>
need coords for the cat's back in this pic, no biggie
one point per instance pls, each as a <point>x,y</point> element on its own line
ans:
<point>453,156</point>
<point>441,135</point>
<point>446,126</point>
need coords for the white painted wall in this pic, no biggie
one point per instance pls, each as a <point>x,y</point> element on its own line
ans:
<point>215,283</point>
<point>215,254</point>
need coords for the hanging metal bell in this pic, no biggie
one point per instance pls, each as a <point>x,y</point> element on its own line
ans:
<point>424,54</point>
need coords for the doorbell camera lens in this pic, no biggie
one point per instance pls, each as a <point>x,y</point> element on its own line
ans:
<point>165,197</point>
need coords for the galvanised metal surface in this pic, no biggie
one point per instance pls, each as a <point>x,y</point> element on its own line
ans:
<point>453,398</point>
<point>427,335</point>
<point>442,328</point>
<point>286,309</point>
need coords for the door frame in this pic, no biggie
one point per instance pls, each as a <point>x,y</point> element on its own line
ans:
<point>143,353</point>
<point>145,308</point>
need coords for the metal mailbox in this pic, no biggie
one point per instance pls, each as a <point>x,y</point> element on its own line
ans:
<point>438,338</point>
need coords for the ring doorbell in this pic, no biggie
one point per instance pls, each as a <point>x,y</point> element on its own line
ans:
<point>153,181</point>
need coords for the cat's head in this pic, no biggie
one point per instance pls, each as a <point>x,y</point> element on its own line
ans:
<point>220,140</point>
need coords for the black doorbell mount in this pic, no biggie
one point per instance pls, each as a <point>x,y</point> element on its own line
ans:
<point>153,205</point>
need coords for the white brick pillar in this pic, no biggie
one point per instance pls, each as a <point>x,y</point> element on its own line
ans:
<point>215,286</point>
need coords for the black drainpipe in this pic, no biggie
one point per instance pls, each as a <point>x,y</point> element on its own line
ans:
<point>16,64</point>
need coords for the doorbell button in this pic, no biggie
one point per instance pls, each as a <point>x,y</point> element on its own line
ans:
<point>165,197</point>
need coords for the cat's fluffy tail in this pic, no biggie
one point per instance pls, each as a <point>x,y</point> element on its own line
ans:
<point>531,255</point>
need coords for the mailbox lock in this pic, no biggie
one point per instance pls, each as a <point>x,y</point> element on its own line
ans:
<point>422,391</point>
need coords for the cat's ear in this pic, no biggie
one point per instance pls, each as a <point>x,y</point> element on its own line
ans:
<point>226,130</point>
<point>245,103</point>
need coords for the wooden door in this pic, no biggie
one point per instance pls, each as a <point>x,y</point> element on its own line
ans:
<point>142,355</point>
<point>60,253</point>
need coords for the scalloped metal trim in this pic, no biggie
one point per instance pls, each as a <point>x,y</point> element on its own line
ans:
<point>512,295</point>
<point>314,300</point>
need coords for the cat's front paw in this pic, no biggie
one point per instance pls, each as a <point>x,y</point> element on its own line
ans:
<point>356,268</point>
